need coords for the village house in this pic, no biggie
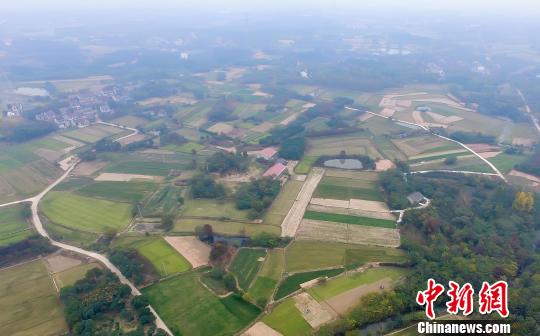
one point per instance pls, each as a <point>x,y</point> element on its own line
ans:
<point>276,171</point>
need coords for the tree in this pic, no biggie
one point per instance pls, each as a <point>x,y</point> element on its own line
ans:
<point>167,222</point>
<point>293,149</point>
<point>452,159</point>
<point>523,202</point>
<point>204,186</point>
<point>230,282</point>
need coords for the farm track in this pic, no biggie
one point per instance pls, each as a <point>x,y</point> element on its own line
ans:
<point>534,120</point>
<point>497,172</point>
<point>294,217</point>
<point>36,220</point>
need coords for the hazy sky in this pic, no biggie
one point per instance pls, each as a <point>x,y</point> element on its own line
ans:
<point>478,6</point>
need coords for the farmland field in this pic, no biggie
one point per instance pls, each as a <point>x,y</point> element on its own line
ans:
<point>231,228</point>
<point>268,276</point>
<point>292,283</point>
<point>118,191</point>
<point>13,225</point>
<point>345,189</point>
<point>212,209</point>
<point>342,284</point>
<point>351,144</point>
<point>154,168</point>
<point>84,213</point>
<point>306,255</point>
<point>92,133</point>
<point>283,202</point>
<point>305,164</point>
<point>209,316</point>
<point>245,265</point>
<point>287,319</point>
<point>29,302</point>
<point>348,219</point>
<point>163,257</point>
<point>163,201</point>
<point>506,162</point>
<point>70,276</point>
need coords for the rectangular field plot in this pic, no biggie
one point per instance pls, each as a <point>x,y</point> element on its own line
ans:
<point>212,209</point>
<point>163,257</point>
<point>84,213</point>
<point>72,275</point>
<point>283,202</point>
<point>292,283</point>
<point>263,287</point>
<point>188,225</point>
<point>29,302</point>
<point>304,166</point>
<point>155,168</point>
<point>163,201</point>
<point>246,264</point>
<point>188,308</point>
<point>422,145</point>
<point>348,219</point>
<point>13,225</point>
<point>345,189</point>
<point>351,144</point>
<point>92,133</point>
<point>303,255</point>
<point>118,191</point>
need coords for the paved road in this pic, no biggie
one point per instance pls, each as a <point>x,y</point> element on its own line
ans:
<point>34,201</point>
<point>290,224</point>
<point>497,172</point>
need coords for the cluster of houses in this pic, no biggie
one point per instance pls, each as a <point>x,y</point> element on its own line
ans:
<point>14,110</point>
<point>81,110</point>
<point>270,154</point>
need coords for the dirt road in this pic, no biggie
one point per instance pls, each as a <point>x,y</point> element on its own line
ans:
<point>290,224</point>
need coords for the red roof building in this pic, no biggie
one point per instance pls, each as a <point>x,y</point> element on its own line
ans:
<point>275,171</point>
<point>268,153</point>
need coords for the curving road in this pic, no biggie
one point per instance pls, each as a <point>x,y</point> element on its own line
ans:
<point>34,203</point>
<point>134,130</point>
<point>497,172</point>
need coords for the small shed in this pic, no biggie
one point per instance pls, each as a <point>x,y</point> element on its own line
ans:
<point>416,198</point>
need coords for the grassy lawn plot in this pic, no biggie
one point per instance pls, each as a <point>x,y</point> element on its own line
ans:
<point>287,319</point>
<point>29,302</point>
<point>292,283</point>
<point>506,162</point>
<point>211,208</point>
<point>189,308</point>
<point>348,219</point>
<point>118,191</point>
<point>305,255</point>
<point>304,166</point>
<point>268,276</point>
<point>246,264</point>
<point>163,257</point>
<point>13,225</point>
<point>224,227</point>
<point>84,213</point>
<point>346,188</point>
<point>143,167</point>
<point>283,202</point>
<point>342,284</point>
<point>166,200</point>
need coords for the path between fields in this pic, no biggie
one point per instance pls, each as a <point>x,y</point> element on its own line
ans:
<point>497,172</point>
<point>34,201</point>
<point>134,130</point>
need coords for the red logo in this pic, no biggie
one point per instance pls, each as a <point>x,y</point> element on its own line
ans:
<point>429,296</point>
<point>492,298</point>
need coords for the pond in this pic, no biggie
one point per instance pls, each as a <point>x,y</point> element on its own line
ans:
<point>32,92</point>
<point>344,163</point>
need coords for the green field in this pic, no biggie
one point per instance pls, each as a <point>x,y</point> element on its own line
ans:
<point>287,319</point>
<point>267,278</point>
<point>92,133</point>
<point>13,225</point>
<point>224,227</point>
<point>348,219</point>
<point>166,200</point>
<point>185,148</point>
<point>212,208</point>
<point>292,283</point>
<point>154,168</point>
<point>506,162</point>
<point>189,308</point>
<point>245,266</point>
<point>283,202</point>
<point>305,164</point>
<point>307,255</point>
<point>163,257</point>
<point>342,284</point>
<point>29,302</point>
<point>347,188</point>
<point>118,191</point>
<point>84,213</point>
<point>70,276</point>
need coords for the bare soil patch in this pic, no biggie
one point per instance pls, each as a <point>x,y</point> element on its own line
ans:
<point>388,112</point>
<point>88,168</point>
<point>482,147</point>
<point>522,141</point>
<point>343,302</point>
<point>195,251</point>
<point>352,212</point>
<point>365,116</point>
<point>367,205</point>
<point>487,155</point>
<point>417,117</point>
<point>315,313</point>
<point>344,233</point>
<point>264,127</point>
<point>48,154</point>
<point>132,139</point>
<point>330,202</point>
<point>383,164</point>
<point>69,141</point>
<point>529,177</point>
<point>58,263</point>
<point>261,329</point>
<point>221,128</point>
<point>115,177</point>
<point>67,162</point>
<point>444,119</point>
